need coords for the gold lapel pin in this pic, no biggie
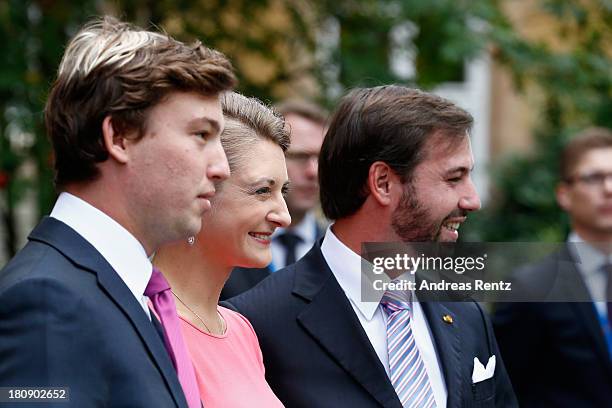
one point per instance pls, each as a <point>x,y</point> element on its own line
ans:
<point>447,319</point>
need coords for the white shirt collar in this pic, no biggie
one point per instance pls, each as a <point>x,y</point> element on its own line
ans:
<point>588,258</point>
<point>346,267</point>
<point>121,249</point>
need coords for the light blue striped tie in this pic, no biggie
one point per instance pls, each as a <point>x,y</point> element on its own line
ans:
<point>406,367</point>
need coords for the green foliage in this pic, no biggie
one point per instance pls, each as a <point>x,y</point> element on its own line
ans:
<point>523,206</point>
<point>269,35</point>
<point>447,35</point>
<point>274,45</point>
<point>576,88</point>
<point>33,34</point>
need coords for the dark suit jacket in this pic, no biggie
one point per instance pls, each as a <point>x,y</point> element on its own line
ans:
<point>317,354</point>
<point>555,351</point>
<point>67,319</point>
<point>243,279</point>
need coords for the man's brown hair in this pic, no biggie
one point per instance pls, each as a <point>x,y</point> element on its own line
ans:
<point>304,109</point>
<point>387,123</point>
<point>115,68</point>
<point>579,145</point>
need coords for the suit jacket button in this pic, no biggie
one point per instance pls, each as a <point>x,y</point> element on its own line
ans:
<point>447,319</point>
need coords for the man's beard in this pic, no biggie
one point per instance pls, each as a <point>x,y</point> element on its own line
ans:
<point>412,222</point>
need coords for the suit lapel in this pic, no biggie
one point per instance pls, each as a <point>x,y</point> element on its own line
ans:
<point>81,252</point>
<point>587,316</point>
<point>574,288</point>
<point>122,296</point>
<point>329,318</point>
<point>448,348</point>
<point>320,231</point>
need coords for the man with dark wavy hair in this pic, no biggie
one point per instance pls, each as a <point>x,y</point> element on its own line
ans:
<point>394,167</point>
<point>135,120</point>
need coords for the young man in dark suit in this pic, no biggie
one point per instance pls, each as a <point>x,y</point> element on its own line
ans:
<point>559,351</point>
<point>395,166</point>
<point>135,120</point>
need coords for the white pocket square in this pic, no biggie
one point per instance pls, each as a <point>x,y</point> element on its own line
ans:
<point>481,373</point>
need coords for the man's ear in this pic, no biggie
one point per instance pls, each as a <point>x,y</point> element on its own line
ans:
<point>114,142</point>
<point>381,180</point>
<point>563,196</point>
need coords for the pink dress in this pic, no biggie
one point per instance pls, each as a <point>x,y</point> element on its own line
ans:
<point>229,368</point>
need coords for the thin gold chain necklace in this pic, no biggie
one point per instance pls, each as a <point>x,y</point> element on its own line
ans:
<point>198,316</point>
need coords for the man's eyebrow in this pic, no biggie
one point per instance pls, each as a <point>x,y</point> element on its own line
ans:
<point>205,121</point>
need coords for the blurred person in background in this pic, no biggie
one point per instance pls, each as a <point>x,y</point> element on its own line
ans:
<point>559,354</point>
<point>135,121</point>
<point>246,210</point>
<point>306,123</point>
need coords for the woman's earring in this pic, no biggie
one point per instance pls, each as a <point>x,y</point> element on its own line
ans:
<point>191,240</point>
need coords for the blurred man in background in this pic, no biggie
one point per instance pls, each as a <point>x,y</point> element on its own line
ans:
<point>559,354</point>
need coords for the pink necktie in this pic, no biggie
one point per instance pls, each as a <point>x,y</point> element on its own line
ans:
<point>158,290</point>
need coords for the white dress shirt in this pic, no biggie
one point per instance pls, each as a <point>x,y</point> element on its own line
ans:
<point>306,229</point>
<point>117,246</point>
<point>346,267</point>
<point>589,261</point>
